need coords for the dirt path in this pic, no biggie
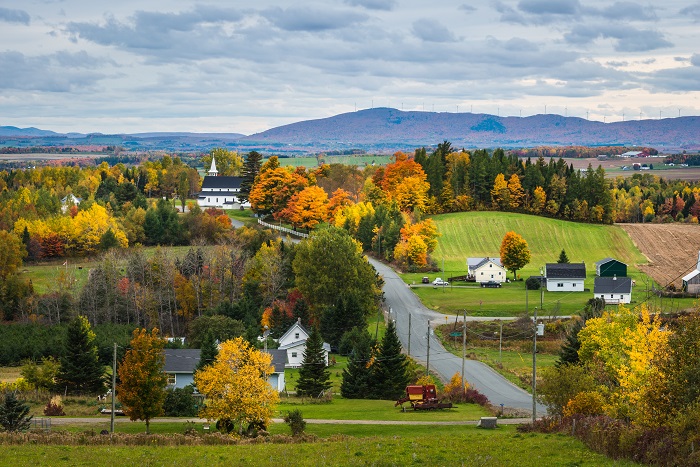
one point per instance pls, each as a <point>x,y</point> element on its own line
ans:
<point>672,249</point>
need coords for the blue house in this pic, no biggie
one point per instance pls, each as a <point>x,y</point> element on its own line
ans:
<point>180,365</point>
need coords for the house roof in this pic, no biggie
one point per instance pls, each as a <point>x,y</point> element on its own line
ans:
<point>565,270</point>
<point>181,360</point>
<point>612,285</point>
<point>221,182</point>
<point>279,359</point>
<point>474,263</point>
<point>690,275</point>
<point>297,323</point>
<point>607,260</point>
<point>302,343</point>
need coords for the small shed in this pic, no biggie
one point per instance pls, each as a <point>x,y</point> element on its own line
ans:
<point>610,267</point>
<point>691,281</point>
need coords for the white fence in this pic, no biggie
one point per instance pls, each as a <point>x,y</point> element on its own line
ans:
<point>282,229</point>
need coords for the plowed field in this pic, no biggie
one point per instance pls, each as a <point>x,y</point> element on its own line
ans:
<point>672,249</point>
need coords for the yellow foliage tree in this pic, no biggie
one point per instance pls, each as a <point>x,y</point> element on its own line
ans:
<point>308,208</point>
<point>539,200</point>
<point>516,193</point>
<point>236,387</point>
<point>411,193</point>
<point>499,193</point>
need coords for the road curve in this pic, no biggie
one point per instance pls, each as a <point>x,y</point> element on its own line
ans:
<point>402,302</point>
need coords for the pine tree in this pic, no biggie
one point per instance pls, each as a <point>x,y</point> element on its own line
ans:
<point>563,258</point>
<point>314,378</point>
<point>251,168</point>
<point>208,351</point>
<point>13,414</point>
<point>81,370</point>
<point>568,354</point>
<point>357,376</point>
<point>390,371</point>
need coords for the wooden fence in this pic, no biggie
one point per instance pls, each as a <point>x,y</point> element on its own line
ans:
<point>283,229</point>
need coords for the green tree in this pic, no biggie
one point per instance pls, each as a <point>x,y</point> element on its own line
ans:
<point>228,163</point>
<point>142,380</point>
<point>209,351</point>
<point>563,258</point>
<point>568,354</point>
<point>390,371</point>
<point>11,254</point>
<point>222,328</point>
<point>179,402</point>
<point>81,370</point>
<point>330,264</point>
<point>108,240</point>
<point>357,375</point>
<point>41,376</point>
<point>514,252</point>
<point>13,414</point>
<point>345,314</point>
<point>314,377</point>
<point>251,169</point>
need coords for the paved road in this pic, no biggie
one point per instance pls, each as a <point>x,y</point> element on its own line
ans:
<point>402,302</point>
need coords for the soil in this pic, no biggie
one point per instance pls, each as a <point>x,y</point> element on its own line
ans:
<point>672,249</point>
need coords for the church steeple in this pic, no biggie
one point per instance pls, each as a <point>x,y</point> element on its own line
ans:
<point>212,171</point>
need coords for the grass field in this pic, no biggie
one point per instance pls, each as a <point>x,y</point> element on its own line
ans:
<point>390,446</point>
<point>359,160</point>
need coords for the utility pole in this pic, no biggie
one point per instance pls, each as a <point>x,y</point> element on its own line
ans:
<point>500,343</point>
<point>464,345</point>
<point>534,370</point>
<point>409,334</point>
<point>427,359</point>
<point>114,388</point>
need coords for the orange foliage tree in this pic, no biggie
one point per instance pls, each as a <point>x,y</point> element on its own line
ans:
<point>308,208</point>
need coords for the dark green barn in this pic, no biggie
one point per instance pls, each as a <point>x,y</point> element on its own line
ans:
<point>610,267</point>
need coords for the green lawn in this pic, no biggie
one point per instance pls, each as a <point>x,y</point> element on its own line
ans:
<point>360,160</point>
<point>462,445</point>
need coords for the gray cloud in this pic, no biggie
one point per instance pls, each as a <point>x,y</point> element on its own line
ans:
<point>467,8</point>
<point>695,60</point>
<point>627,11</point>
<point>550,7</point>
<point>58,72</point>
<point>385,5</point>
<point>312,20</point>
<point>14,16</point>
<point>693,11</point>
<point>628,39</point>
<point>431,30</point>
<point>508,14</point>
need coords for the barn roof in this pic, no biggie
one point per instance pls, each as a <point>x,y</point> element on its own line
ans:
<point>607,260</point>
<point>690,275</point>
<point>565,270</point>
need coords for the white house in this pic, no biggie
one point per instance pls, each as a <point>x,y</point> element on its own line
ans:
<point>220,192</point>
<point>613,289</point>
<point>486,269</point>
<point>276,379</point>
<point>691,281</point>
<point>68,201</point>
<point>565,277</point>
<point>294,343</point>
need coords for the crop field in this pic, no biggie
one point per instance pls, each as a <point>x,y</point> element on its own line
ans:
<point>359,160</point>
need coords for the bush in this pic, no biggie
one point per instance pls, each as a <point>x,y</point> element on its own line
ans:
<point>585,403</point>
<point>179,402</point>
<point>54,407</point>
<point>561,384</point>
<point>533,283</point>
<point>296,422</point>
<point>13,414</point>
<point>473,396</point>
<point>454,390</point>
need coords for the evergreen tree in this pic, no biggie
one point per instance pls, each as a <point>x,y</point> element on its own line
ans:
<point>314,378</point>
<point>568,354</point>
<point>251,169</point>
<point>208,351</point>
<point>347,313</point>
<point>563,258</point>
<point>13,414</point>
<point>357,376</point>
<point>390,371</point>
<point>81,370</point>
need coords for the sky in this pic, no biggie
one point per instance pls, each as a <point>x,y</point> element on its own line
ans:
<point>244,66</point>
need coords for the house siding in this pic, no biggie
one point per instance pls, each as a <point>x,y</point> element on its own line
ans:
<point>565,285</point>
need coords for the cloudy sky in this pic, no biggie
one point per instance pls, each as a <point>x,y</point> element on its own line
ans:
<point>246,66</point>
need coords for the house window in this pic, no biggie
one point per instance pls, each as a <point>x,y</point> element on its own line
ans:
<point>621,296</point>
<point>491,276</point>
<point>171,379</point>
<point>294,355</point>
<point>490,265</point>
<point>611,295</point>
<point>296,335</point>
<point>560,284</point>
<point>217,200</point>
<point>482,273</point>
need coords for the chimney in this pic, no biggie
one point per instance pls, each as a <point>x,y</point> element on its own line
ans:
<point>614,277</point>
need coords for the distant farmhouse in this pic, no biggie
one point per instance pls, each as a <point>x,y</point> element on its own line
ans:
<point>293,342</point>
<point>613,289</point>
<point>486,269</point>
<point>220,191</point>
<point>610,267</point>
<point>565,277</point>
<point>691,281</point>
<point>68,201</point>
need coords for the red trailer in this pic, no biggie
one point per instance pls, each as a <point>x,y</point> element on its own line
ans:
<point>422,398</point>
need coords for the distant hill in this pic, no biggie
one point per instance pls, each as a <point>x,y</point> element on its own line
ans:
<point>390,128</point>
<point>14,131</point>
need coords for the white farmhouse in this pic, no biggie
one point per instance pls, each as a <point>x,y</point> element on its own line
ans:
<point>486,269</point>
<point>294,343</point>
<point>220,191</point>
<point>613,289</point>
<point>565,277</point>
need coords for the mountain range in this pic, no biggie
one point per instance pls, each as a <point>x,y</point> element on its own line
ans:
<point>386,130</point>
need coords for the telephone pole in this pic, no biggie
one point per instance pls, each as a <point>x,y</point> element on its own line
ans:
<point>114,388</point>
<point>427,359</point>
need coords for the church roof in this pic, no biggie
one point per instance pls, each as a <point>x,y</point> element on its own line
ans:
<point>231,183</point>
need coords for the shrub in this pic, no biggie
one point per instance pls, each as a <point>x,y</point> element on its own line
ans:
<point>454,390</point>
<point>13,414</point>
<point>179,402</point>
<point>585,403</point>
<point>296,422</point>
<point>473,396</point>
<point>561,384</point>
<point>533,283</point>
<point>54,407</point>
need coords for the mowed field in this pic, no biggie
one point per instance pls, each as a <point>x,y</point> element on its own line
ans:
<point>671,249</point>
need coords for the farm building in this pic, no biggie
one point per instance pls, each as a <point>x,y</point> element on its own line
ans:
<point>610,267</point>
<point>293,342</point>
<point>613,289</point>
<point>691,281</point>
<point>220,192</point>
<point>565,277</point>
<point>486,269</point>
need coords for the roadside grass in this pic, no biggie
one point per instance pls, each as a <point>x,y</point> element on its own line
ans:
<point>358,160</point>
<point>449,445</point>
<point>9,374</point>
<point>245,216</point>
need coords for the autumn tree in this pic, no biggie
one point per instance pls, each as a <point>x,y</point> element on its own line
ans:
<point>80,370</point>
<point>142,380</point>
<point>308,208</point>
<point>228,163</point>
<point>314,377</point>
<point>11,254</point>
<point>515,253</point>
<point>516,194</point>
<point>236,388</point>
<point>539,200</point>
<point>500,196</point>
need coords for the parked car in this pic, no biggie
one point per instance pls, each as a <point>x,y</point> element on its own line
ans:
<point>491,284</point>
<point>425,280</point>
<point>439,281</point>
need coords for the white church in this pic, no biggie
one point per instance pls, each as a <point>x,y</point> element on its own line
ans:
<point>220,191</point>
